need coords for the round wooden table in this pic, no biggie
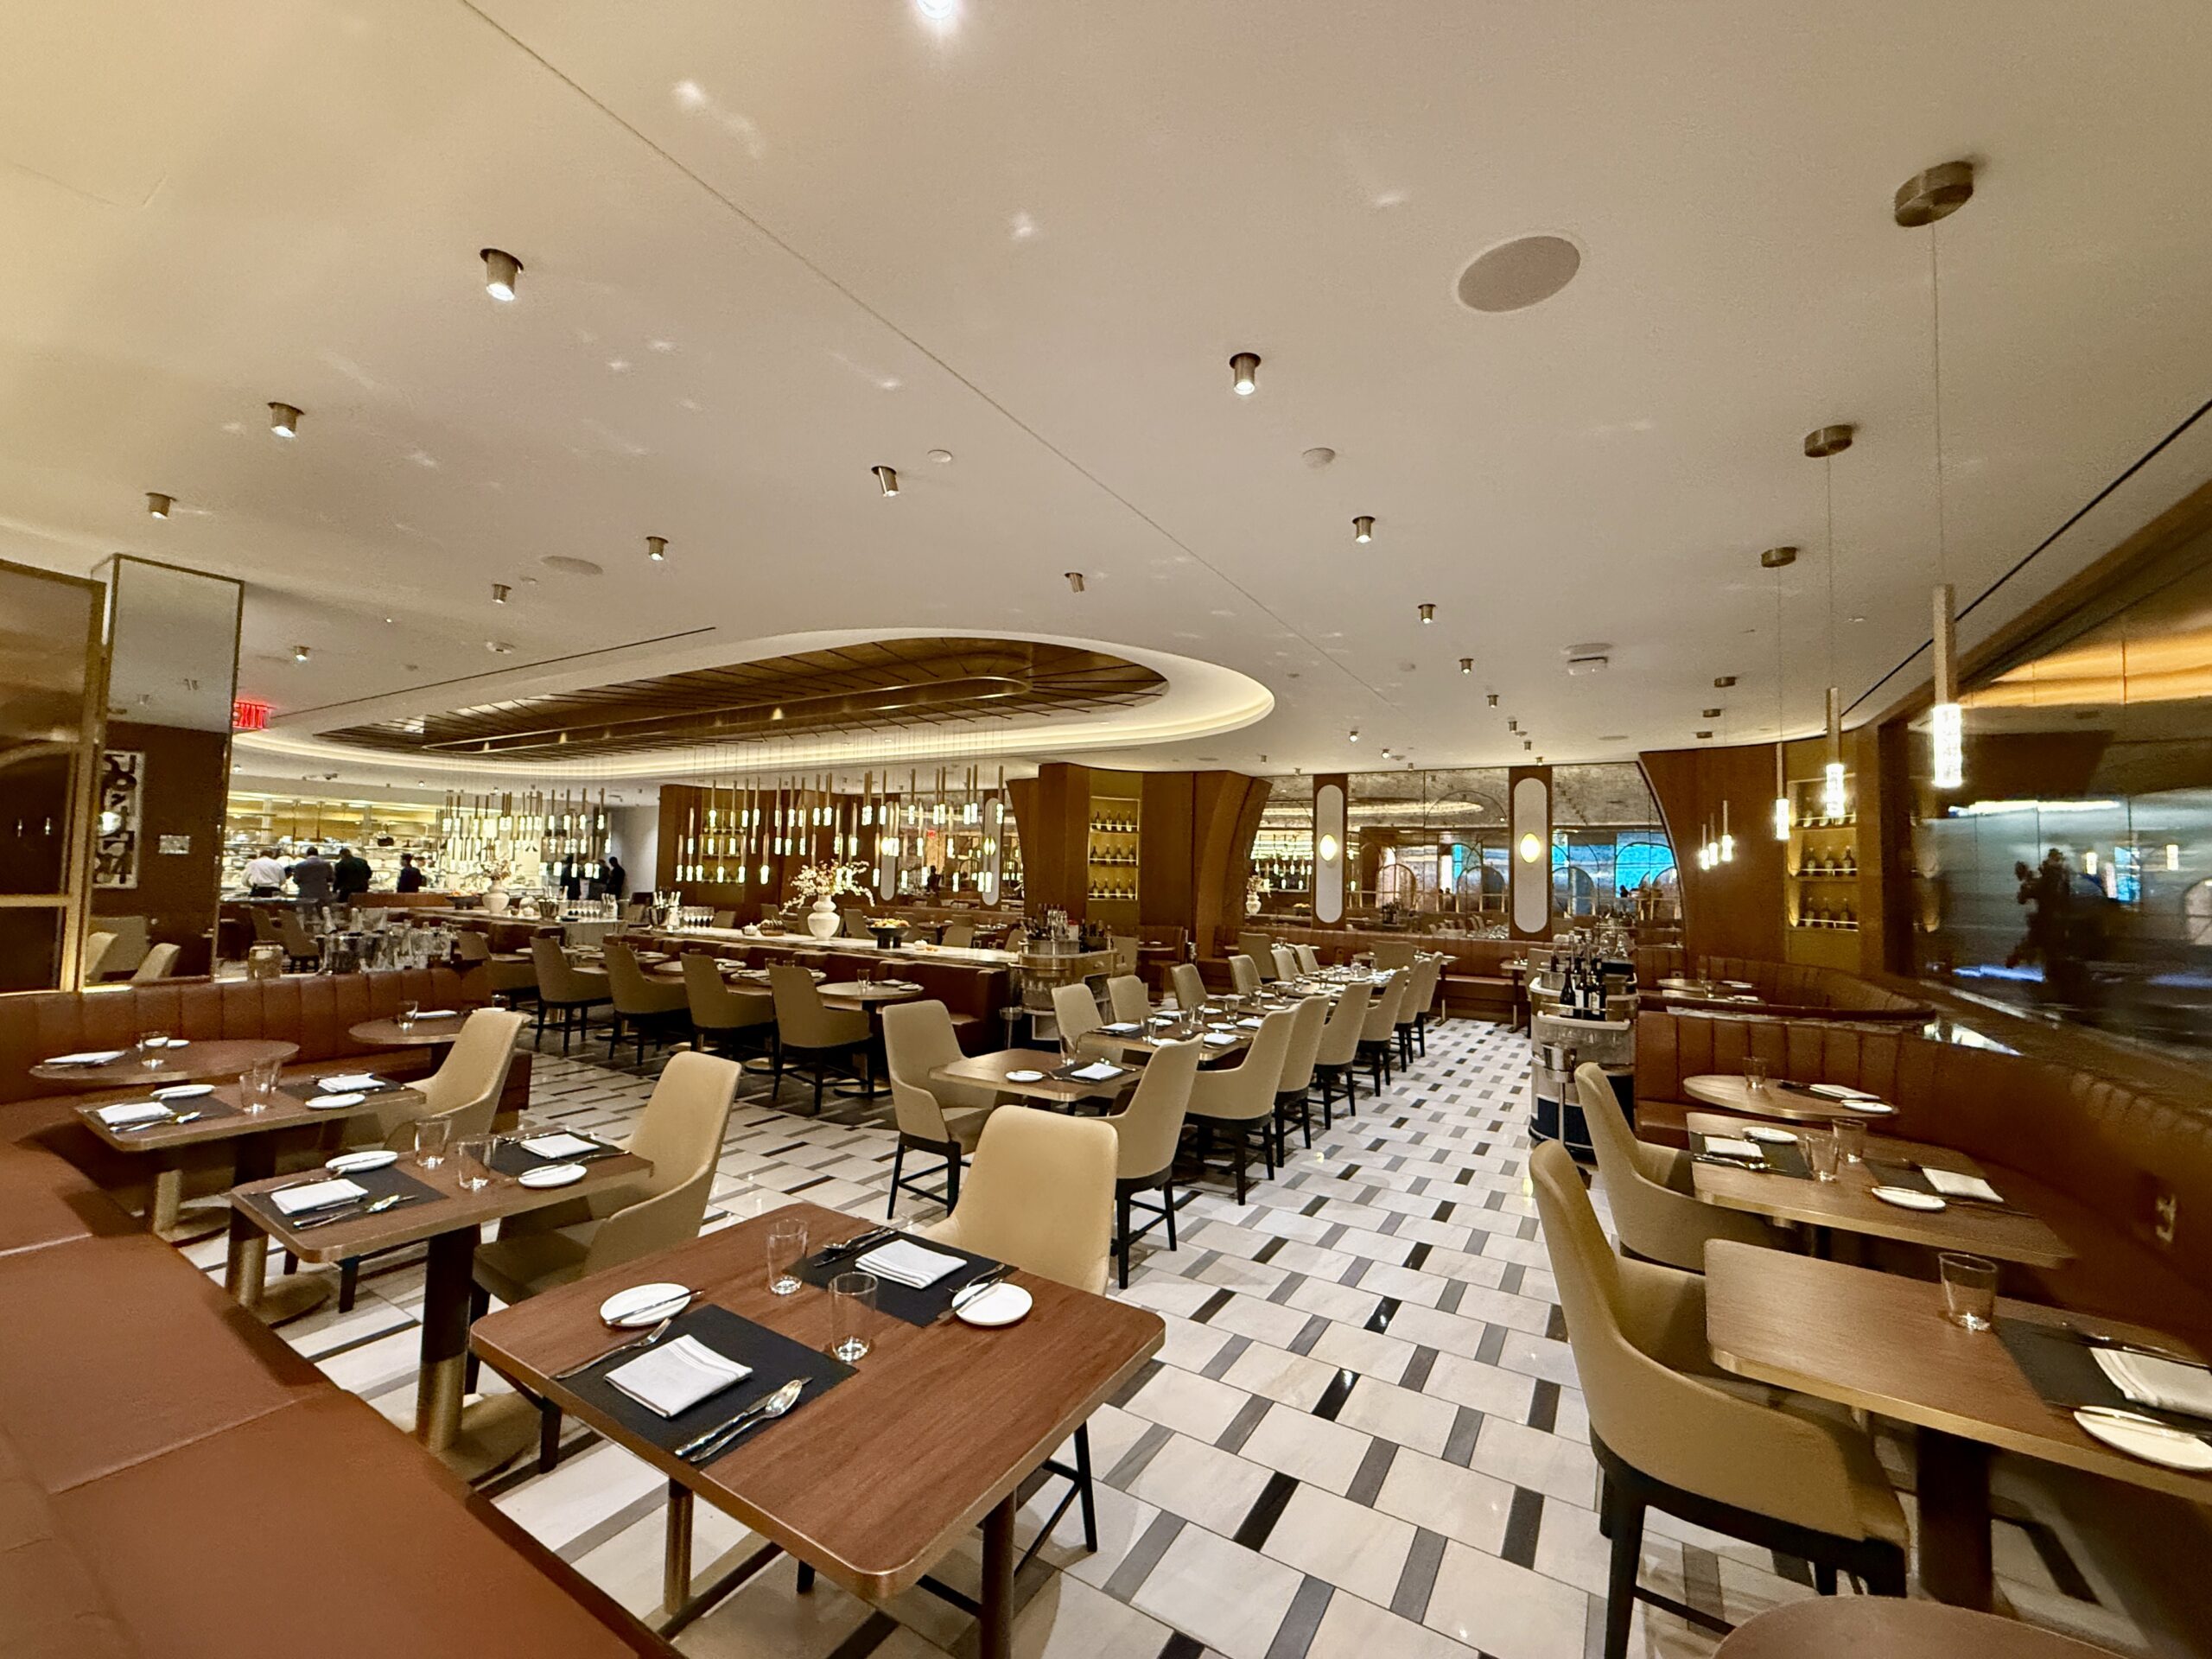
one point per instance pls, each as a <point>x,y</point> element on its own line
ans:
<point>1860,1627</point>
<point>1732,1093</point>
<point>424,1034</point>
<point>198,1058</point>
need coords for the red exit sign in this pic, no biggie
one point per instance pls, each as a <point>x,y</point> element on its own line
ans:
<point>247,715</point>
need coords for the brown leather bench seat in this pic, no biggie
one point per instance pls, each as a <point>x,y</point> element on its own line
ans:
<point>1791,990</point>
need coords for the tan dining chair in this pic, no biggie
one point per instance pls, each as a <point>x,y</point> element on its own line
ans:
<point>299,944</point>
<point>565,989</point>
<point>1648,1189</point>
<point>809,1034</point>
<point>1669,1435</point>
<point>1125,951</point>
<point>1149,1129</point>
<point>1125,996</point>
<point>157,963</point>
<point>1243,976</point>
<point>1251,942</point>
<point>1230,1101</point>
<point>723,1015</point>
<point>943,1120</point>
<point>1379,1037</point>
<point>725,919</point>
<point>1190,987</point>
<point>265,931</point>
<point>1294,1093</point>
<point>1286,962</point>
<point>1075,1011</point>
<point>1335,1064</point>
<point>680,1132</point>
<point>1420,991</point>
<point>472,946</point>
<point>653,1009</point>
<point>1389,955</point>
<point>1309,959</point>
<point>957,935</point>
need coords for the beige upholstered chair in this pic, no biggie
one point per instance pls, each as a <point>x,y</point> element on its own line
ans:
<point>652,1007</point>
<point>1232,1101</point>
<point>511,975</point>
<point>472,946</point>
<point>1392,954</point>
<point>156,964</point>
<point>1243,976</point>
<point>1802,1481</point>
<point>1294,1093</point>
<point>721,1015</point>
<point>1286,962</point>
<point>265,931</point>
<point>1075,1011</point>
<point>1149,1128</point>
<point>299,944</point>
<point>958,935</point>
<point>1336,1062</point>
<point>1309,959</point>
<point>1125,952</point>
<point>725,919</point>
<point>917,1037</point>
<point>571,992</point>
<point>1379,1037</point>
<point>1648,1188</point>
<point>1125,993</point>
<point>1040,1195</point>
<point>808,1033</point>
<point>1190,986</point>
<point>1420,991</point>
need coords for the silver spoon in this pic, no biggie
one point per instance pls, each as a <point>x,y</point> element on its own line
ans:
<point>716,1441</point>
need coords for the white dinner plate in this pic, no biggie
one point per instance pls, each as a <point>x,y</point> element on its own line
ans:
<point>1870,1107</point>
<point>183,1091</point>
<point>1761,1131</point>
<point>1003,1304</point>
<point>345,1163</point>
<point>328,1102</point>
<point>2139,1437</point>
<point>1906,1198</point>
<point>1025,1075</point>
<point>643,1304</point>
<point>89,1057</point>
<point>552,1175</point>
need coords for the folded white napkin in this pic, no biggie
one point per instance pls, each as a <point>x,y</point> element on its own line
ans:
<point>1221,1039</point>
<point>2165,1384</point>
<point>1721,1146</point>
<point>351,1082</point>
<point>1840,1091</point>
<point>436,1013</point>
<point>133,1112</point>
<point>1953,1185</point>
<point>907,1263</point>
<point>1251,1022</point>
<point>560,1144</point>
<point>90,1056</point>
<point>316,1195</point>
<point>1096,1071</point>
<point>677,1376</point>
<point>1123,1028</point>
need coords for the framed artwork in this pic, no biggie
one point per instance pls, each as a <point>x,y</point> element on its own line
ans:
<point>115,844</point>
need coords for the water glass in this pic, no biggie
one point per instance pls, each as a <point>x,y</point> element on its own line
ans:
<point>852,1315</point>
<point>1969,1289</point>
<point>257,1085</point>
<point>151,1045</point>
<point>407,1013</point>
<point>1820,1151</point>
<point>1755,1075</point>
<point>472,1162</point>
<point>1849,1140</point>
<point>787,1243</point>
<point>431,1136</point>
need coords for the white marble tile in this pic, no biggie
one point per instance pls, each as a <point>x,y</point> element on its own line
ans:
<point>1465,1504</point>
<point>1343,1542</point>
<point>1400,1415</point>
<point>1201,1483</point>
<point>1505,1610</point>
<point>1353,1629</point>
<point>1307,1446</point>
<point>1196,1405</point>
<point>1230,1598</point>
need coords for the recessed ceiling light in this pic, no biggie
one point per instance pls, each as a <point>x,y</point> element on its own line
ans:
<point>1723,681</point>
<point>943,457</point>
<point>497,647</point>
<point>1428,611</point>
<point>299,653</point>
<point>157,504</point>
<point>657,548</point>
<point>284,419</point>
<point>1318,456</point>
<point>1363,528</point>
<point>1515,275</point>
<point>500,592</point>
<point>1245,368</point>
<point>1491,698</point>
<point>887,479</point>
<point>1355,733</point>
<point>1712,713</point>
<point>1467,666</point>
<point>1702,735</point>
<point>937,11</point>
<point>501,271</point>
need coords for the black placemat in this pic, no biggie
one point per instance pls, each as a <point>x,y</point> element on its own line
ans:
<point>378,1183</point>
<point>204,1106</point>
<point>1067,1074</point>
<point>1892,1173</point>
<point>375,1085</point>
<point>775,1358</point>
<point>511,1157</point>
<point>904,1302</point>
<point>1779,1158</point>
<point>2062,1368</point>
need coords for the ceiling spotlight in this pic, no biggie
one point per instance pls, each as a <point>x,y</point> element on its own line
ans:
<point>1467,666</point>
<point>158,505</point>
<point>657,548</point>
<point>1937,194</point>
<point>1828,441</point>
<point>1427,613</point>
<point>1527,743</point>
<point>936,11</point>
<point>1355,733</point>
<point>1513,725</point>
<point>500,592</point>
<point>1245,366</point>
<point>777,713</point>
<point>887,479</point>
<point>299,653</point>
<point>1075,580</point>
<point>497,647</point>
<point>1491,699</point>
<point>1713,714</point>
<point>943,457</point>
<point>284,419</point>
<point>1703,735</point>
<point>1776,558</point>
<point>501,270</point>
<point>1363,528</point>
<point>1724,682</point>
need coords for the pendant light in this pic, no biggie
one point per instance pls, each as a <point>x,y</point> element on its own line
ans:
<point>1928,199</point>
<point>1824,446</point>
<point>1778,559</point>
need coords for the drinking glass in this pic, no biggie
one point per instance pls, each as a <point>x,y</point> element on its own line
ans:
<point>1755,1075</point>
<point>407,1013</point>
<point>852,1315</point>
<point>787,1243</point>
<point>1849,1140</point>
<point>1820,1153</point>
<point>257,1085</point>
<point>471,1161</point>
<point>431,1136</point>
<point>1969,1289</point>
<point>151,1045</point>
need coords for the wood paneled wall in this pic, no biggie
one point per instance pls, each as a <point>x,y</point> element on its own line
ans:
<point>1734,909</point>
<point>184,790</point>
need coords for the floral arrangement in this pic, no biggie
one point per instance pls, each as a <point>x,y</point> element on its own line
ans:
<point>827,880</point>
<point>495,873</point>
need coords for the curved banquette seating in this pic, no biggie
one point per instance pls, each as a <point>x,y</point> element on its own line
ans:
<point>2122,1175</point>
<point>1793,990</point>
<point>972,995</point>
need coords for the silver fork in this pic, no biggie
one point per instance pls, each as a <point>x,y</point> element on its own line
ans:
<point>646,1341</point>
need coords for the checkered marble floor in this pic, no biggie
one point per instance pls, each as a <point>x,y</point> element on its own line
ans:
<point>1363,1437</point>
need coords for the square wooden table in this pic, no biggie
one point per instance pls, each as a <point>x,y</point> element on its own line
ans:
<point>873,1481</point>
<point>450,1223</point>
<point>1880,1343</point>
<point>1848,1204</point>
<point>989,1071</point>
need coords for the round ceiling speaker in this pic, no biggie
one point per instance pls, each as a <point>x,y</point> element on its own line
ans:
<point>1515,275</point>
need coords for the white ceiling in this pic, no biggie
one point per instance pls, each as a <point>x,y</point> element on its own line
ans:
<point>768,246</point>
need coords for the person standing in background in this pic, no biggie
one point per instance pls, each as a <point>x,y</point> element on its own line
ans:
<point>571,878</point>
<point>265,873</point>
<point>410,878</point>
<point>311,880</point>
<point>614,879</point>
<point>351,877</point>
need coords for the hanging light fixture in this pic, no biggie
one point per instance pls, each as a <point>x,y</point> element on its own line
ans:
<point>657,548</point>
<point>1428,611</point>
<point>1778,559</point>
<point>501,271</point>
<point>1363,528</point>
<point>1245,368</point>
<point>1466,665</point>
<point>887,479</point>
<point>284,419</point>
<point>1727,843</point>
<point>157,504</point>
<point>1928,199</point>
<point>1824,446</point>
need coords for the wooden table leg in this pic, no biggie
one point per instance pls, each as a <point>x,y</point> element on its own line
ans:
<point>1953,1488</point>
<point>445,1337</point>
<point>997,1598</point>
<point>676,1559</point>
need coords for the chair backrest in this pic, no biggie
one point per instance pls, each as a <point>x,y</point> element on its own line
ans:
<point>156,965</point>
<point>681,1131</point>
<point>1075,1010</point>
<point>1383,1012</point>
<point>1152,1123</point>
<point>1040,1194</point>
<point>1307,1021</point>
<point>1245,974</point>
<point>473,946</point>
<point>97,946</point>
<point>1286,962</point>
<point>1125,994</point>
<point>1247,1089</point>
<point>1653,1219</point>
<point>1125,952</point>
<point>715,1006</point>
<point>1309,959</point>
<point>1250,941</point>
<point>1190,985</point>
<point>1393,953</point>
<point>1421,989</point>
<point>959,935</point>
<point>556,981</point>
<point>802,1018</point>
<point>297,940</point>
<point>624,979</point>
<point>466,1089</point>
<point>917,1037</point>
<point>265,931</point>
<point>1340,1036</point>
<point>725,919</point>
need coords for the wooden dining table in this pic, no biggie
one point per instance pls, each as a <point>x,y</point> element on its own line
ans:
<point>878,1477</point>
<point>992,1071</point>
<point>1879,1342</point>
<point>1848,1204</point>
<point>1789,1104</point>
<point>1889,1627</point>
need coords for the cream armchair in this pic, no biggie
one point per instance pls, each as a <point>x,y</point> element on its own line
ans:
<point>811,1034</point>
<point>1294,1092</point>
<point>1233,1101</point>
<point>1648,1188</point>
<point>564,989</point>
<point>652,1007</point>
<point>1336,1062</point>
<point>1125,994</point>
<point>917,1037</point>
<point>1245,974</point>
<point>1075,1011</point>
<point>720,1015</point>
<point>1148,1131</point>
<point>1190,986</point>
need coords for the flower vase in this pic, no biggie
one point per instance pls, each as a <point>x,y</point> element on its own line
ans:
<point>495,900</point>
<point>821,917</point>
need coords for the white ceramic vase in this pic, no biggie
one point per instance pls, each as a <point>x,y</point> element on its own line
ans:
<point>822,917</point>
<point>495,900</point>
